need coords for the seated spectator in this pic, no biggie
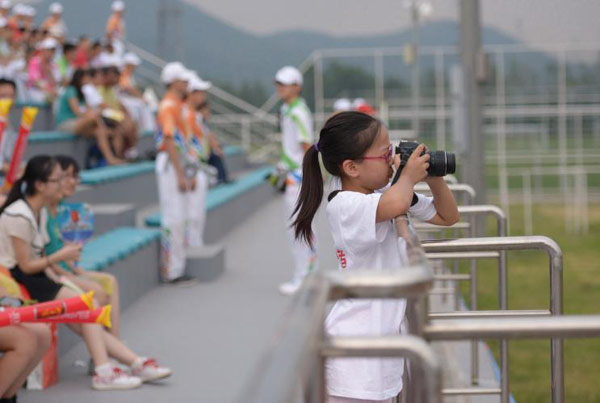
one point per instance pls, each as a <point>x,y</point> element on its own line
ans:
<point>125,129</point>
<point>75,116</point>
<point>131,97</point>
<point>115,27</point>
<point>104,285</point>
<point>43,72</point>
<point>5,6</point>
<point>7,91</point>
<point>21,250</point>
<point>95,52</point>
<point>22,347</point>
<point>66,63</point>
<point>82,54</point>
<point>216,158</point>
<point>54,24</point>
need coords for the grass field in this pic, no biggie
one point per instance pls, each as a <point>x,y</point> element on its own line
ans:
<point>528,289</point>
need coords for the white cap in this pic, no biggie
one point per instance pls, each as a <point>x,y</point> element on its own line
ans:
<point>20,9</point>
<point>118,5</point>
<point>198,84</point>
<point>3,22</point>
<point>48,43</point>
<point>358,102</point>
<point>110,60</point>
<point>56,8</point>
<point>5,4</point>
<point>174,71</point>
<point>29,11</point>
<point>288,75</point>
<point>342,104</point>
<point>131,58</point>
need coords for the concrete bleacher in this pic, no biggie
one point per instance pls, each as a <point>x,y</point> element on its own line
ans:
<point>119,194</point>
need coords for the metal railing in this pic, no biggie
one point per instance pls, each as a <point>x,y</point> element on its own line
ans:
<point>501,245</point>
<point>296,365</point>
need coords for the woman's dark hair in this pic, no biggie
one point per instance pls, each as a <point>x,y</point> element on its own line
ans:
<point>66,162</point>
<point>345,136</point>
<point>38,169</point>
<point>77,82</point>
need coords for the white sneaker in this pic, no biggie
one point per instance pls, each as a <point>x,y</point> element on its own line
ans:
<point>149,370</point>
<point>116,380</point>
<point>289,288</point>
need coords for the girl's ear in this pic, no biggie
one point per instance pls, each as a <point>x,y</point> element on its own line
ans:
<point>349,168</point>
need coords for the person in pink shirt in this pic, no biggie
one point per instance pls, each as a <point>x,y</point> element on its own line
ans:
<point>42,72</point>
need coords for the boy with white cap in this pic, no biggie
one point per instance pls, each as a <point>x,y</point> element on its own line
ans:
<point>199,150</point>
<point>115,27</point>
<point>296,138</point>
<point>5,6</point>
<point>176,175</point>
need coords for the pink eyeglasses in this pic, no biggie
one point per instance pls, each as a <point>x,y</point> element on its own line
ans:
<point>387,157</point>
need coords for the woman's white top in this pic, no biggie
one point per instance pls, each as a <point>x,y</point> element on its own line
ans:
<point>18,221</point>
<point>363,244</point>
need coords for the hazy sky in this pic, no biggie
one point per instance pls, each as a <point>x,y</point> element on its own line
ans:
<point>532,20</point>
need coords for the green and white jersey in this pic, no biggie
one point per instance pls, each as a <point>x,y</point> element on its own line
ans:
<point>296,128</point>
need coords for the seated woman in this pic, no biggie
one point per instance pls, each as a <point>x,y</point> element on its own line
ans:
<point>21,250</point>
<point>22,347</point>
<point>74,116</point>
<point>104,285</point>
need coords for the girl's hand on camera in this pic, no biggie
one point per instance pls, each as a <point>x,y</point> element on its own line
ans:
<point>416,166</point>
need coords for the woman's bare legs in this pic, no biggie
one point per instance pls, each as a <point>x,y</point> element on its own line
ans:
<point>43,337</point>
<point>23,348</point>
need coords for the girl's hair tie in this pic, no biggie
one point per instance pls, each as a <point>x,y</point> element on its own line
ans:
<point>317,147</point>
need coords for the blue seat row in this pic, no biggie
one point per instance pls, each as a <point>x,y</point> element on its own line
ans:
<point>115,245</point>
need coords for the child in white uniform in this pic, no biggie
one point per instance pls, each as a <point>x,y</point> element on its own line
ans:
<point>356,148</point>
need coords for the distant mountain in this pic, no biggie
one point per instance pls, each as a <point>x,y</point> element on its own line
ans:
<point>223,53</point>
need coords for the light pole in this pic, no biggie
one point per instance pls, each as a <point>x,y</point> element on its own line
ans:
<point>418,9</point>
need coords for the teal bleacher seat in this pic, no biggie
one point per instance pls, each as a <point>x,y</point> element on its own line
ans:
<point>110,247</point>
<point>111,173</point>
<point>232,150</point>
<point>52,136</point>
<point>224,193</point>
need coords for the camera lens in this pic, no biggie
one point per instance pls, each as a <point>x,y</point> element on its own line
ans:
<point>441,163</point>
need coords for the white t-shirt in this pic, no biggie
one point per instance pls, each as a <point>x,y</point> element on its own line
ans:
<point>296,128</point>
<point>92,95</point>
<point>363,244</point>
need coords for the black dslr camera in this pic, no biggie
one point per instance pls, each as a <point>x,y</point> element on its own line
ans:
<point>441,163</point>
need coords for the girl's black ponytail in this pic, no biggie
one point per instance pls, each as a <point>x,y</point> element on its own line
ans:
<point>311,194</point>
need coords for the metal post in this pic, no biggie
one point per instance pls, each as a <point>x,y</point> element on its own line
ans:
<point>470,49</point>
<point>414,13</point>
<point>319,92</point>
<point>501,137</point>
<point>440,108</point>
<point>379,79</point>
<point>562,128</point>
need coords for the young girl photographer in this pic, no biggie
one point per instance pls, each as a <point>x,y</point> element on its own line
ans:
<point>355,147</point>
